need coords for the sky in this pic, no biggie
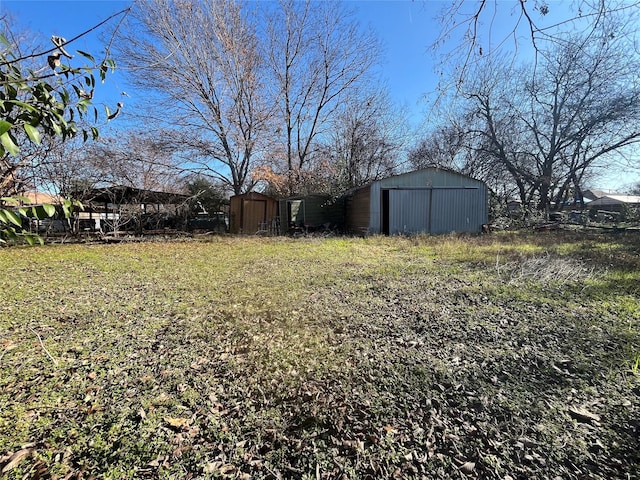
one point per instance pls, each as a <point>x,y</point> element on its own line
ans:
<point>406,29</point>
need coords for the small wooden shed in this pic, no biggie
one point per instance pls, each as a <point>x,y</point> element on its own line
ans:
<point>252,212</point>
<point>311,213</point>
<point>431,200</point>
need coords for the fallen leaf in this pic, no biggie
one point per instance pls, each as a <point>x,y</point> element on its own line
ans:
<point>16,458</point>
<point>389,429</point>
<point>228,468</point>
<point>177,423</point>
<point>467,468</point>
<point>583,415</point>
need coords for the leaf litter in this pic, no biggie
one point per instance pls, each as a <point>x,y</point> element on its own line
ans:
<point>406,359</point>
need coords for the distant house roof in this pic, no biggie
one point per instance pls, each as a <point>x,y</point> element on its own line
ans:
<point>593,194</point>
<point>38,198</point>
<point>612,199</point>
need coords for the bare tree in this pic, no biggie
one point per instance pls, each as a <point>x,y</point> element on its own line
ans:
<point>65,168</point>
<point>550,125</point>
<point>474,30</point>
<point>317,54</point>
<point>140,159</point>
<point>443,147</point>
<point>202,60</point>
<point>451,146</point>
<point>367,140</point>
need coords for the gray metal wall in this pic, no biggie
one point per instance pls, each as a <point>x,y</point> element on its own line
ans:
<point>430,201</point>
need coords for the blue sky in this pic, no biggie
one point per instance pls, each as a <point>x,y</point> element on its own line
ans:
<point>406,28</point>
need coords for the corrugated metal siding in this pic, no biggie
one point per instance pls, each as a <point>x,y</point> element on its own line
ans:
<point>375,208</point>
<point>429,177</point>
<point>430,200</point>
<point>408,211</point>
<point>458,210</point>
<point>324,209</point>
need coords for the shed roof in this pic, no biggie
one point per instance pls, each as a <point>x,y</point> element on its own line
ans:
<point>430,176</point>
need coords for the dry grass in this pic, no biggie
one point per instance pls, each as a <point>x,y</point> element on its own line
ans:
<point>423,357</point>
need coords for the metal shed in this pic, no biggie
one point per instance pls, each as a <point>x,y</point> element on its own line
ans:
<point>311,212</point>
<point>431,200</point>
<point>252,212</point>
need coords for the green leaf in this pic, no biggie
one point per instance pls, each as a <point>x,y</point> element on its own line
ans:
<point>24,105</point>
<point>111,116</point>
<point>33,133</point>
<point>12,91</point>
<point>64,95</point>
<point>4,127</point>
<point>13,218</point>
<point>86,55</point>
<point>49,209</point>
<point>11,233</point>
<point>15,200</point>
<point>7,143</point>
<point>39,212</point>
<point>30,240</point>
<point>3,217</point>
<point>56,128</point>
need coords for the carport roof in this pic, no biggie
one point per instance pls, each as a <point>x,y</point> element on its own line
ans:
<point>122,195</point>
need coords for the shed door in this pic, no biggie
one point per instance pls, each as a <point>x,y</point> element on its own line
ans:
<point>454,209</point>
<point>409,211</point>
<point>254,212</point>
<point>296,213</point>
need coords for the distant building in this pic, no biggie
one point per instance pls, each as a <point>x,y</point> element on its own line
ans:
<point>39,198</point>
<point>614,202</point>
<point>121,207</point>
<point>431,200</point>
<point>593,194</point>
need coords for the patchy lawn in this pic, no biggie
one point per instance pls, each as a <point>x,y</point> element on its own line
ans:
<point>503,356</point>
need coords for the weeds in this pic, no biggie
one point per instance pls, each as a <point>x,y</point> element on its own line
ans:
<point>420,357</point>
